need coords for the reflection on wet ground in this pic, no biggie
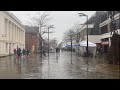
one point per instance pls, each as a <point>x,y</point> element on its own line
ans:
<point>58,66</point>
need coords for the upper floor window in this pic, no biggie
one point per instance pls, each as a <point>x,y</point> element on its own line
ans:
<point>117,24</point>
<point>104,17</point>
<point>104,29</point>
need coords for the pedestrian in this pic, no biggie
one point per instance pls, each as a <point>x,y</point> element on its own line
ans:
<point>23,52</point>
<point>57,50</point>
<point>27,51</point>
<point>14,53</point>
<point>101,51</point>
<point>18,53</point>
<point>44,53</point>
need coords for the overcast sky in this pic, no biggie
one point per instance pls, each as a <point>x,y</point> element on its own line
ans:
<point>62,20</point>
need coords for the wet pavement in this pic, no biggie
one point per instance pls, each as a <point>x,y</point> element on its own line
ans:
<point>58,66</point>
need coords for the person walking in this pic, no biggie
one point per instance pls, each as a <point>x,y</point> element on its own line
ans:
<point>15,52</point>
<point>44,53</point>
<point>57,50</point>
<point>27,51</point>
<point>18,53</point>
<point>23,52</point>
<point>101,51</point>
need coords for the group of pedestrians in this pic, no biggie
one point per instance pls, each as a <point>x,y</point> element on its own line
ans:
<point>18,53</point>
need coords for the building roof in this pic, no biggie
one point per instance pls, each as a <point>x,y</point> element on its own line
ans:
<point>31,29</point>
<point>14,17</point>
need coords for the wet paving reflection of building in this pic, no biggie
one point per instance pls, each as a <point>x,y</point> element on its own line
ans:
<point>57,66</point>
<point>57,57</point>
<point>8,68</point>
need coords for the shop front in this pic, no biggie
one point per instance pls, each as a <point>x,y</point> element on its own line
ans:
<point>105,45</point>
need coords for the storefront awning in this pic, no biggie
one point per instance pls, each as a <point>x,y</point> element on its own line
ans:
<point>105,43</point>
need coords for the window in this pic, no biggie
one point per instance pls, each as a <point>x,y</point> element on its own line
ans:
<point>117,22</point>
<point>115,25</point>
<point>104,29</point>
<point>104,17</point>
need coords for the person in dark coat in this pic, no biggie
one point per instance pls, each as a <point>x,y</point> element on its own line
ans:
<point>23,52</point>
<point>57,50</point>
<point>101,51</point>
<point>15,53</point>
<point>27,52</point>
<point>19,53</point>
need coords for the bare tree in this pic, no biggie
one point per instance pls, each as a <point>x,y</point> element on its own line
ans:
<point>76,28</point>
<point>70,36</point>
<point>40,19</point>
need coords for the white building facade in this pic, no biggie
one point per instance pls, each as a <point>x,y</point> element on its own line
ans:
<point>12,33</point>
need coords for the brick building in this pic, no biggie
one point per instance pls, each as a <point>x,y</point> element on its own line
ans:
<point>31,38</point>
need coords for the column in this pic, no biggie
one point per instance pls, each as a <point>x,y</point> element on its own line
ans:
<point>17,34</point>
<point>13,32</point>
<point>5,27</point>
<point>2,26</point>
<point>20,35</point>
<point>10,30</point>
<point>24,36</point>
<point>7,30</point>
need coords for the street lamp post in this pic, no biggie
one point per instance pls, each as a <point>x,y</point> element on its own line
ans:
<point>82,14</point>
<point>51,26</point>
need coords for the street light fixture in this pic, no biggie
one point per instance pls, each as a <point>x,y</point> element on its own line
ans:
<point>82,14</point>
<point>51,26</point>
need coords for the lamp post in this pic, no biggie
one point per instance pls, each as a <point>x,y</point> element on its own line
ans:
<point>82,14</point>
<point>51,26</point>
